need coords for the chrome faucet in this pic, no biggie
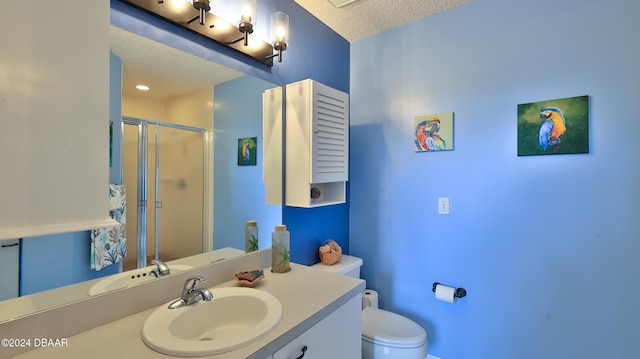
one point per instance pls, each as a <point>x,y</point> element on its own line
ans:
<point>162,268</point>
<point>191,294</point>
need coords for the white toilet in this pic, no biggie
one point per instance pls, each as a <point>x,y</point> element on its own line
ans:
<point>385,335</point>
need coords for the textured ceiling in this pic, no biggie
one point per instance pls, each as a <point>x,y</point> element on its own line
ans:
<point>167,71</point>
<point>363,18</point>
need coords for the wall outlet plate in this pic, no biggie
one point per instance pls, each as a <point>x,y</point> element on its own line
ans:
<point>443,205</point>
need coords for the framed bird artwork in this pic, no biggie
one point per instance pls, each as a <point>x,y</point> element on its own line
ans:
<point>433,132</point>
<point>247,151</point>
<point>554,127</point>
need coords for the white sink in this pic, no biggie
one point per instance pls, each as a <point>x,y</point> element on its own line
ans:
<point>235,317</point>
<point>130,278</point>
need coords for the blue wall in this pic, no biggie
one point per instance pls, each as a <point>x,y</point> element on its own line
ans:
<point>48,262</point>
<point>115,116</point>
<point>318,53</point>
<point>239,192</point>
<point>547,246</point>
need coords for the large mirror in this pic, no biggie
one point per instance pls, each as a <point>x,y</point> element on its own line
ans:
<point>177,113</point>
<point>213,200</point>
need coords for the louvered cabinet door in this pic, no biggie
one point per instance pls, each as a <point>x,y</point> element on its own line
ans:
<point>330,126</point>
<point>317,144</point>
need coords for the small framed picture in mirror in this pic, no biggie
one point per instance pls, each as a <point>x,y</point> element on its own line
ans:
<point>247,151</point>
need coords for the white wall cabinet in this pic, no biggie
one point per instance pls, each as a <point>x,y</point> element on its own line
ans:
<point>54,132</point>
<point>339,335</point>
<point>272,144</point>
<point>317,144</point>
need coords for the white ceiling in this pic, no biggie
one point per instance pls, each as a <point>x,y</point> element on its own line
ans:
<point>362,18</point>
<point>167,71</point>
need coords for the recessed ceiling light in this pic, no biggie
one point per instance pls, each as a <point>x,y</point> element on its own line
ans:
<point>142,88</point>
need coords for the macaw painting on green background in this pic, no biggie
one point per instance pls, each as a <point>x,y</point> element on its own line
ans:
<point>247,151</point>
<point>554,127</point>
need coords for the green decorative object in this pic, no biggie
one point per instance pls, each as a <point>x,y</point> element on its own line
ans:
<point>280,252</point>
<point>251,236</point>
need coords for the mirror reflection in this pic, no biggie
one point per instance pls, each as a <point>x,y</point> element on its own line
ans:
<point>167,220</point>
<point>195,114</point>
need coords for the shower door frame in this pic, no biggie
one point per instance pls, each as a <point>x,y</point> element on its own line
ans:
<point>143,164</point>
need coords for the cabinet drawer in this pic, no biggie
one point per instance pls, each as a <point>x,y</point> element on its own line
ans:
<point>336,336</point>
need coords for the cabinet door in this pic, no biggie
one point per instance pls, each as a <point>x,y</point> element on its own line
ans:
<point>317,136</point>
<point>54,103</point>
<point>272,145</point>
<point>330,137</point>
<point>336,336</point>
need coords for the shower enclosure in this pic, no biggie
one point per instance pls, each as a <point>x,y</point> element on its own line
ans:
<point>167,175</point>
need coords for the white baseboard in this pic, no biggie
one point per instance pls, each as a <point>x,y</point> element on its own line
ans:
<point>429,356</point>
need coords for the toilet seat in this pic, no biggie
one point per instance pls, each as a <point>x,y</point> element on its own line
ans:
<point>390,329</point>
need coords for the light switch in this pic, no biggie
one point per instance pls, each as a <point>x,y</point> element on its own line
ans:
<point>443,205</point>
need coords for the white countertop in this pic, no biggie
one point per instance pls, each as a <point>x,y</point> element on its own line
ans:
<point>307,296</point>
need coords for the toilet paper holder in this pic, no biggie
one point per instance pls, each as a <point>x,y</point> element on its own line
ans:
<point>459,292</point>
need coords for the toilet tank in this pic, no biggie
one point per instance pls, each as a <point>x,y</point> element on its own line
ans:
<point>347,265</point>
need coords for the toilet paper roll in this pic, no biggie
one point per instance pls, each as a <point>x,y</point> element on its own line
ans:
<point>369,298</point>
<point>445,293</point>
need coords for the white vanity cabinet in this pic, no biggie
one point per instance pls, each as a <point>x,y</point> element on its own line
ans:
<point>336,336</point>
<point>317,144</point>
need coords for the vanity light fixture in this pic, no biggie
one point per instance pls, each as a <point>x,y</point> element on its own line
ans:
<point>280,33</point>
<point>203,6</point>
<point>142,87</point>
<point>184,13</point>
<point>248,16</point>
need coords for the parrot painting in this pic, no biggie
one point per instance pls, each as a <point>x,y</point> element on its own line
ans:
<point>553,126</point>
<point>245,152</point>
<point>427,138</point>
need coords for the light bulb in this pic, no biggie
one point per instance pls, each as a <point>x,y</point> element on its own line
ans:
<point>246,13</point>
<point>247,10</point>
<point>280,33</point>
<point>280,27</point>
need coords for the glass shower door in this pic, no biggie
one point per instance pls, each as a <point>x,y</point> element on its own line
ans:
<point>180,193</point>
<point>164,173</point>
<point>133,158</point>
